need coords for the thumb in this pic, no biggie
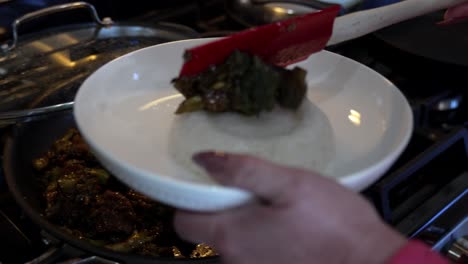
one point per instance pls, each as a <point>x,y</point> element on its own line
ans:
<point>268,181</point>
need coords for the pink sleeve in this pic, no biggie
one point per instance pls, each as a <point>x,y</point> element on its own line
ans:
<point>416,252</point>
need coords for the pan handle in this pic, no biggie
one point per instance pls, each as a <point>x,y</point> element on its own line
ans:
<point>49,256</point>
<point>52,10</point>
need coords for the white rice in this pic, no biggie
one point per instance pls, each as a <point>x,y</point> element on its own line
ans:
<point>302,139</point>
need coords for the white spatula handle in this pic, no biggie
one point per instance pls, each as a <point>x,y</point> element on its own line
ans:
<point>358,24</point>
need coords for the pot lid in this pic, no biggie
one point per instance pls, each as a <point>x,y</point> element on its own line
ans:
<point>41,73</point>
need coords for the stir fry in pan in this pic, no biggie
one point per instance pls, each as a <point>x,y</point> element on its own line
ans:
<point>84,199</point>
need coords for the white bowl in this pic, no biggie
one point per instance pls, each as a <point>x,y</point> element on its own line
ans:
<point>126,108</point>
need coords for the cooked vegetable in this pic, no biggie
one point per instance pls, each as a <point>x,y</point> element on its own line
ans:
<point>133,242</point>
<point>243,84</point>
<point>86,201</point>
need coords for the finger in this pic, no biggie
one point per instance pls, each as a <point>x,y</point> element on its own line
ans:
<point>455,15</point>
<point>266,180</point>
<point>457,11</point>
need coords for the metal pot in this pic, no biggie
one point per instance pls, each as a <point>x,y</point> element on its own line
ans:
<point>422,37</point>
<point>40,72</point>
<point>258,12</point>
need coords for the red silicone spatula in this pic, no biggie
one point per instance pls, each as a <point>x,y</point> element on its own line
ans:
<point>280,43</point>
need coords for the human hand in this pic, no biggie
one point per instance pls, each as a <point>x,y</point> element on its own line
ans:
<point>300,217</point>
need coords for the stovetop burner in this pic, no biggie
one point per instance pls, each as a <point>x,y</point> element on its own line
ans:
<point>423,195</point>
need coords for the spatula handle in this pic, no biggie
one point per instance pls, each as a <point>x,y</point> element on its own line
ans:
<point>364,22</point>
